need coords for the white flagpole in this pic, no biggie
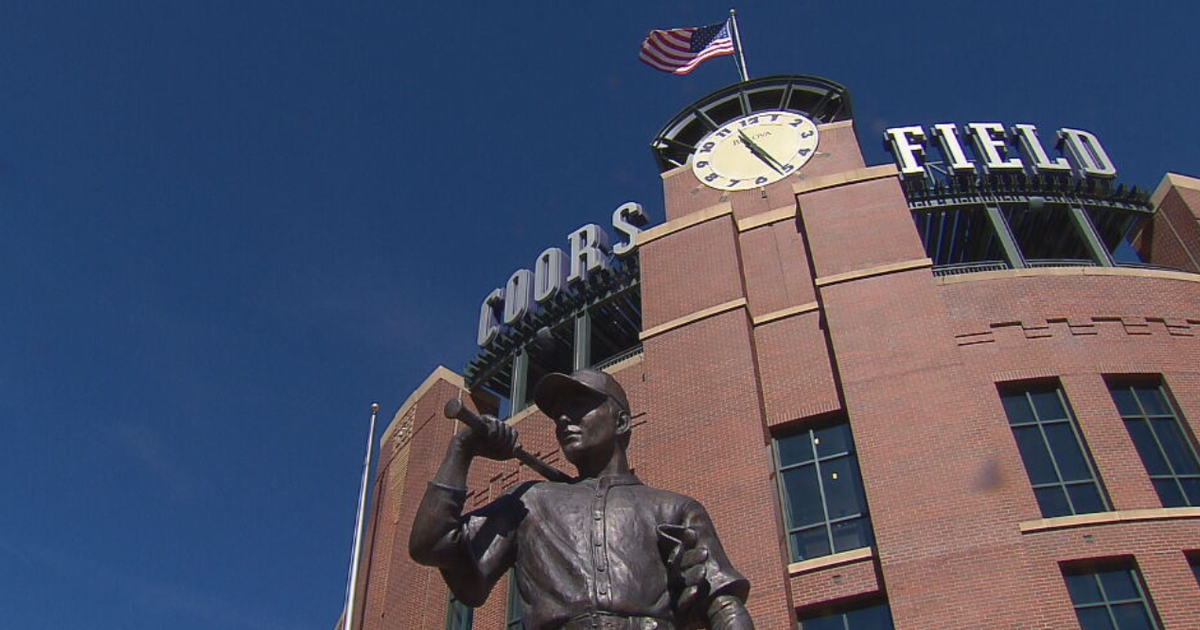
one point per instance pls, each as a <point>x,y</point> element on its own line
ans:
<point>737,45</point>
<point>356,554</point>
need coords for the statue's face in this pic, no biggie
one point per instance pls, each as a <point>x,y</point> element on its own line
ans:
<point>586,425</point>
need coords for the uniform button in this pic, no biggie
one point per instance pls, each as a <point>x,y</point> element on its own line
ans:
<point>599,543</point>
<point>597,516</point>
<point>599,495</point>
<point>600,568</point>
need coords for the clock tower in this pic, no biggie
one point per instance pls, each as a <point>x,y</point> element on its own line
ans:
<point>767,201</point>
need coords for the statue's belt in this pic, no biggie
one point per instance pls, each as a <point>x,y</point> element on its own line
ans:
<point>607,621</point>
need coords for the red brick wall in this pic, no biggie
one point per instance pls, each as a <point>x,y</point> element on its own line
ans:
<point>912,361</point>
<point>1173,237</point>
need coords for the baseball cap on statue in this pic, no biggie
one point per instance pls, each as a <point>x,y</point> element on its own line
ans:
<point>554,387</point>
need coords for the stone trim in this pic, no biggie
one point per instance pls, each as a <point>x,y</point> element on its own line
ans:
<point>908,265</point>
<point>693,317</point>
<point>1172,180</point>
<point>846,177</point>
<point>837,559</point>
<point>1068,271</point>
<point>1105,518</point>
<point>684,222</point>
<point>439,373</point>
<point>766,218</point>
<point>784,312</point>
<point>836,125</point>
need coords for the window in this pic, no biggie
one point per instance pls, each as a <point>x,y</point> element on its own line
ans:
<point>824,505</point>
<point>1167,453</point>
<point>459,616</point>
<point>1195,562</point>
<point>514,616</point>
<point>875,617</point>
<point>1060,470</point>
<point>1110,598</point>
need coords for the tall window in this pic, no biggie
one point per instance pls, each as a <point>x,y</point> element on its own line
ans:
<point>1111,598</point>
<point>514,616</point>
<point>1195,562</point>
<point>1166,451</point>
<point>876,617</point>
<point>824,504</point>
<point>1063,477</point>
<point>459,616</point>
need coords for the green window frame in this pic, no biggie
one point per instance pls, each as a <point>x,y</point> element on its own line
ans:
<point>824,506</point>
<point>1059,467</point>
<point>858,617</point>
<point>1110,598</point>
<point>1167,451</point>
<point>459,616</point>
<point>514,611</point>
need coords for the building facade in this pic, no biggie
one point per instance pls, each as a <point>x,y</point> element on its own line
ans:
<point>949,398</point>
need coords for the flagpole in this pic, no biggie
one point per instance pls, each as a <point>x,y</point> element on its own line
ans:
<point>356,554</point>
<point>737,45</point>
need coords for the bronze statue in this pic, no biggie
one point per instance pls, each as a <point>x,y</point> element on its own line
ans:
<point>598,551</point>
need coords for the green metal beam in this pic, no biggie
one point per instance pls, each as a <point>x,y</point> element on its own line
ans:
<point>1012,253</point>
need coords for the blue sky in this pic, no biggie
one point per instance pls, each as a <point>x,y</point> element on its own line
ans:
<point>227,227</point>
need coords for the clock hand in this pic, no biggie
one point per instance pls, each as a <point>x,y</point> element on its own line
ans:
<point>760,153</point>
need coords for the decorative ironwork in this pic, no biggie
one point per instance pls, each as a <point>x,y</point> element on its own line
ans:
<point>613,291</point>
<point>970,267</point>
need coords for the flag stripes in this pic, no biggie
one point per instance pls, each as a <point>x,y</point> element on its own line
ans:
<point>680,50</point>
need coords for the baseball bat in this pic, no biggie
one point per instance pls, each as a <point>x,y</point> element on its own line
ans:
<point>456,410</point>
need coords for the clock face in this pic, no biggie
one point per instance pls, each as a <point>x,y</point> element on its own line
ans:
<point>755,150</point>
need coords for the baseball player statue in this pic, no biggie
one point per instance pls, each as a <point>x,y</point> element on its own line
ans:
<point>598,551</point>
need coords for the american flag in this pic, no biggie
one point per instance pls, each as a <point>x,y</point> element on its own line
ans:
<point>680,50</point>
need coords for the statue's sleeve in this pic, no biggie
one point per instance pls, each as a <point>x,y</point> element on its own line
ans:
<point>722,578</point>
<point>472,551</point>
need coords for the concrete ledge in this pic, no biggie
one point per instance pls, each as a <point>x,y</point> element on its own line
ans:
<point>683,168</point>
<point>837,559</point>
<point>907,265</point>
<point>684,222</point>
<point>694,317</point>
<point>1105,518</point>
<point>440,373</point>
<point>844,178</point>
<point>784,312</point>
<point>767,218</point>
<point>1172,180</point>
<point>836,125</point>
<point>1130,272</point>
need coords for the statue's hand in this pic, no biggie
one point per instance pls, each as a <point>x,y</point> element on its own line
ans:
<point>686,568</point>
<point>497,441</point>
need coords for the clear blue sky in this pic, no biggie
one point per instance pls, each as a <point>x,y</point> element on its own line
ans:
<point>227,227</point>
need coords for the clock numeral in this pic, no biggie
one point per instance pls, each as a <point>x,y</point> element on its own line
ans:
<point>761,180</point>
<point>807,134</point>
<point>733,182</point>
<point>723,132</point>
<point>749,121</point>
<point>702,164</point>
<point>711,177</point>
<point>788,168</point>
<point>796,123</point>
<point>708,147</point>
<point>804,152</point>
<point>774,117</point>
